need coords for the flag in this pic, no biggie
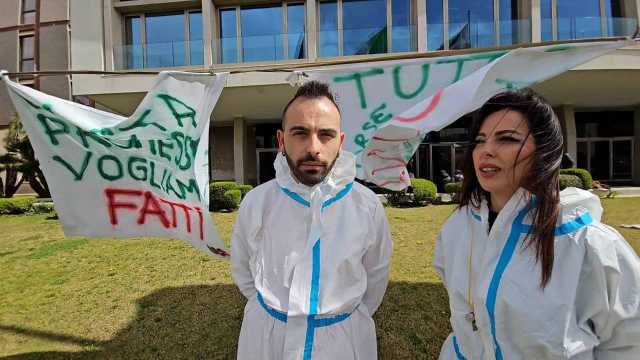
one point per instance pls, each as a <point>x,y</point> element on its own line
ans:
<point>146,175</point>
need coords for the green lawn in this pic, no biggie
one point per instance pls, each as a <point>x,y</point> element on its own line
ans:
<point>85,299</point>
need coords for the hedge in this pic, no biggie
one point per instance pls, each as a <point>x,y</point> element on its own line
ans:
<point>423,190</point>
<point>221,199</point>
<point>567,180</point>
<point>244,189</point>
<point>453,187</point>
<point>15,206</point>
<point>233,198</point>
<point>582,174</point>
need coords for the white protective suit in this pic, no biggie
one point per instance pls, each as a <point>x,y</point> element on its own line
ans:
<point>313,263</point>
<point>590,309</point>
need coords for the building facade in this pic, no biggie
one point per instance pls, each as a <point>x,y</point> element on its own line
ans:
<point>598,102</point>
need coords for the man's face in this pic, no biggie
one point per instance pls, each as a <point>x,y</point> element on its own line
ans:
<point>311,138</point>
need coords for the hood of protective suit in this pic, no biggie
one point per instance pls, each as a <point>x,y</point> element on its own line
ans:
<point>342,173</point>
<point>575,201</point>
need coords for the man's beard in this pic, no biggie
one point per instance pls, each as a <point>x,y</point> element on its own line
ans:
<point>309,178</point>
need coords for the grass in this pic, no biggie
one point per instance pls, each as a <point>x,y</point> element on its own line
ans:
<point>78,298</point>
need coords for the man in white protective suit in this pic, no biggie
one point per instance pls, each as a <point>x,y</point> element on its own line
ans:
<point>311,248</point>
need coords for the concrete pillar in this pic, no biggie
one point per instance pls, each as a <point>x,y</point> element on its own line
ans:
<point>636,146</point>
<point>536,21</point>
<point>421,24</point>
<point>239,146</point>
<point>566,115</point>
<point>208,14</point>
<point>311,10</point>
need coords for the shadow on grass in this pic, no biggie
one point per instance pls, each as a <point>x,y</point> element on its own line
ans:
<point>204,322</point>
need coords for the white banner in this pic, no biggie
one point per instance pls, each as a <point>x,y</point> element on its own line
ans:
<point>146,175</point>
<point>388,107</point>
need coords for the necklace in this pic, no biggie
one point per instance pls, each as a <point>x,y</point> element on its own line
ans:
<point>471,316</point>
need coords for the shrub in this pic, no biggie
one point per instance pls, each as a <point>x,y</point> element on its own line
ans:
<point>43,207</point>
<point>398,198</point>
<point>567,180</point>
<point>217,200</point>
<point>423,190</point>
<point>582,174</point>
<point>453,188</point>
<point>244,189</point>
<point>15,206</point>
<point>232,199</point>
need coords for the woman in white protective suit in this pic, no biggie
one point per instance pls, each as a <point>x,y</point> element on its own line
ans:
<point>530,271</point>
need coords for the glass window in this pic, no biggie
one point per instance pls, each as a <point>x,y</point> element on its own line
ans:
<point>228,32</point>
<point>545,15</point>
<point>196,50</point>
<point>617,23</point>
<point>295,31</point>
<point>165,40</point>
<point>471,24</point>
<point>261,30</point>
<point>328,39</point>
<point>133,50</point>
<point>604,124</point>
<point>578,19</point>
<point>513,29</point>
<point>435,25</point>
<point>28,12</point>
<point>401,29</point>
<point>27,53</point>
<point>365,26</point>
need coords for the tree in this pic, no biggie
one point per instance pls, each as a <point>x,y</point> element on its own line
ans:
<point>20,157</point>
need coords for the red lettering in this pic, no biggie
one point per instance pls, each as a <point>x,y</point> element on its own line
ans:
<point>185,209</point>
<point>201,223</point>
<point>152,207</point>
<point>113,205</point>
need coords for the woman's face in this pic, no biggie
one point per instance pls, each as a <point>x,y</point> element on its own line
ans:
<point>498,144</point>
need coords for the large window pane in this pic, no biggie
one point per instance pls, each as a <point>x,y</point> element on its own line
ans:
<point>401,29</point>
<point>195,38</point>
<point>545,15</point>
<point>165,40</point>
<point>435,25</point>
<point>228,41</point>
<point>578,19</point>
<point>471,24</point>
<point>295,31</point>
<point>28,5</point>
<point>513,28</point>
<point>262,33</point>
<point>26,47</point>
<point>365,28</point>
<point>132,51</point>
<point>328,37</point>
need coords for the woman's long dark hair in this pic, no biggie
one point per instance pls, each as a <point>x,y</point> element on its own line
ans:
<point>542,180</point>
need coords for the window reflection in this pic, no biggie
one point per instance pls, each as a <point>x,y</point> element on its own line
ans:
<point>196,56</point>
<point>165,40</point>
<point>295,31</point>
<point>471,24</point>
<point>364,24</point>
<point>261,33</point>
<point>229,43</point>
<point>578,19</point>
<point>435,25</point>
<point>328,37</point>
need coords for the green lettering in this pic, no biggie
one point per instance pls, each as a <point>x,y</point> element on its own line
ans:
<point>152,167</point>
<point>102,168</point>
<point>378,116</point>
<point>51,132</point>
<point>192,187</point>
<point>182,142</point>
<point>91,135</point>
<point>142,175</point>
<point>162,146</point>
<point>357,77</point>
<point>361,141</point>
<point>460,61</point>
<point>397,84</point>
<point>77,175</point>
<point>171,102</point>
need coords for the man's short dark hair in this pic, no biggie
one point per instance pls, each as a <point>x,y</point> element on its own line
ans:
<point>311,90</point>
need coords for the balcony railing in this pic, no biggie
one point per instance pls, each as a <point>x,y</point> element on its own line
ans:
<point>158,55</point>
<point>269,47</point>
<point>595,27</point>
<point>345,42</point>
